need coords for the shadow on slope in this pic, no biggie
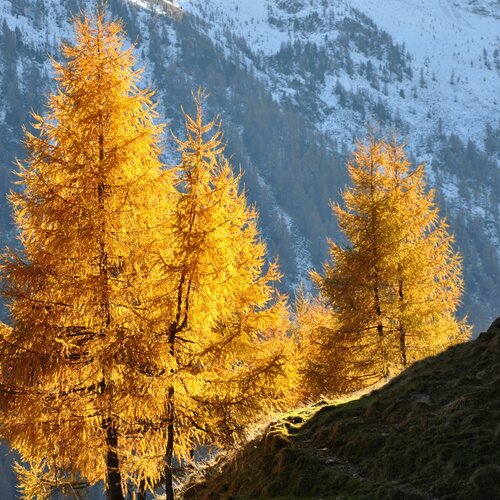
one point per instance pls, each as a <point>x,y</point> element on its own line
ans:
<point>432,432</point>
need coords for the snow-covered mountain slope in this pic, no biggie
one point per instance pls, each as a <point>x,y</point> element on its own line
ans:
<point>430,68</point>
<point>457,45</point>
<point>454,48</point>
<point>296,82</point>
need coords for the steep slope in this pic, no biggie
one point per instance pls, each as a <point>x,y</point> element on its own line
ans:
<point>451,46</point>
<point>429,69</point>
<point>455,48</point>
<point>433,432</point>
<point>296,82</point>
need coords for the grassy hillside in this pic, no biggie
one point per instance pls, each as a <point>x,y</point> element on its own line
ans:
<point>433,432</point>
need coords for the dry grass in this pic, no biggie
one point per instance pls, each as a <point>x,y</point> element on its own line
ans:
<point>432,432</point>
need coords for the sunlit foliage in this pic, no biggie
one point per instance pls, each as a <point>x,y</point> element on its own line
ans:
<point>81,287</point>
<point>393,290</point>
<point>226,323</point>
<point>143,323</point>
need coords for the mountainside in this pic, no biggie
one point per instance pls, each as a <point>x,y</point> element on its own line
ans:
<point>429,69</point>
<point>295,83</point>
<point>433,432</point>
<point>443,56</point>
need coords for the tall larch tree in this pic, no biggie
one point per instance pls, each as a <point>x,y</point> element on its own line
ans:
<point>428,270</point>
<point>224,347</point>
<point>82,289</point>
<point>394,289</point>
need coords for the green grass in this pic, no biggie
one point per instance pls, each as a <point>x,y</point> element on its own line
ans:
<point>432,432</point>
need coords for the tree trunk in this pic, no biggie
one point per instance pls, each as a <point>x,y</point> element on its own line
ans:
<point>169,477</point>
<point>142,494</point>
<point>380,326</point>
<point>402,331</point>
<point>376,281</point>
<point>113,475</point>
<point>402,345</point>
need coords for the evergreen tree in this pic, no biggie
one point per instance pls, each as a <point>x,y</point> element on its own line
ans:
<point>82,288</point>
<point>395,288</point>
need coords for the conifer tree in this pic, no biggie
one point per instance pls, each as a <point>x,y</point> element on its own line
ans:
<point>428,270</point>
<point>83,287</point>
<point>320,359</point>
<point>395,287</point>
<point>226,329</point>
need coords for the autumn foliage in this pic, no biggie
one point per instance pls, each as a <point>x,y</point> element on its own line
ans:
<point>145,325</point>
<point>138,300</point>
<point>81,289</point>
<point>225,324</point>
<point>392,292</point>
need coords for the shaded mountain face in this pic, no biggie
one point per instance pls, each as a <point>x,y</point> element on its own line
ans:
<point>433,432</point>
<point>296,83</point>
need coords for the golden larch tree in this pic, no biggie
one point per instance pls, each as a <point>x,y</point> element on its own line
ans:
<point>320,360</point>
<point>83,288</point>
<point>225,345</point>
<point>428,270</point>
<point>394,289</point>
